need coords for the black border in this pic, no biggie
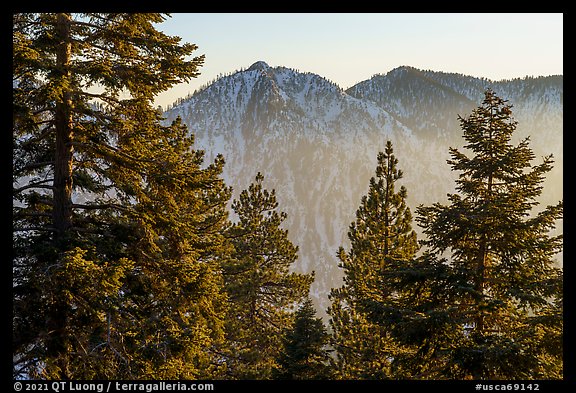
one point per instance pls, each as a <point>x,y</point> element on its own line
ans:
<point>569,380</point>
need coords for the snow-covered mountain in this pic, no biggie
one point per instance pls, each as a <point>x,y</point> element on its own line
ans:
<point>316,144</point>
<point>427,101</point>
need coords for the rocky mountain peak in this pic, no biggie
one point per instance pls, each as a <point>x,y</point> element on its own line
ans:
<point>259,65</point>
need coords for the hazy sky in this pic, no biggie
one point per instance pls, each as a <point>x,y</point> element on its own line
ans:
<point>351,47</point>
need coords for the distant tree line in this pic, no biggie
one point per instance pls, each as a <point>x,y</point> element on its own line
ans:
<point>126,264</point>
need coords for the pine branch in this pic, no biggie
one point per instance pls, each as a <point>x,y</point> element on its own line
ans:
<point>31,214</point>
<point>45,229</point>
<point>99,206</point>
<point>39,184</point>
<point>34,165</point>
<point>117,151</point>
<point>47,131</point>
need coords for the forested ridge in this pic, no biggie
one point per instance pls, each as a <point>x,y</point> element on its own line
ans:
<point>133,260</point>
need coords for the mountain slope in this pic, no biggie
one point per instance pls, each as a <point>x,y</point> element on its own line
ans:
<point>317,144</point>
<point>429,103</point>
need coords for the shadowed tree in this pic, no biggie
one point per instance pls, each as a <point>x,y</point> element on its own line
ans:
<point>261,288</point>
<point>382,241</point>
<point>116,220</point>
<point>305,354</point>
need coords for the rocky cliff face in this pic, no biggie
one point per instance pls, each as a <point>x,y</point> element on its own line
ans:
<point>317,144</point>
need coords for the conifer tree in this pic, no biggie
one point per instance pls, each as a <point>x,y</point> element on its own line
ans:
<point>179,222</point>
<point>305,354</point>
<point>262,290</point>
<point>117,225</point>
<point>489,302</point>
<point>382,241</point>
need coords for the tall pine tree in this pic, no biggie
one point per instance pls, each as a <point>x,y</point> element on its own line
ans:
<point>261,288</point>
<point>489,293</point>
<point>382,241</point>
<point>116,222</point>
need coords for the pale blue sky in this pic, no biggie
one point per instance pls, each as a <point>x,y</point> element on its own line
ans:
<point>351,47</point>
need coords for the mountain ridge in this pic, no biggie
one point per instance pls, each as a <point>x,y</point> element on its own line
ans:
<point>263,64</point>
<point>316,143</point>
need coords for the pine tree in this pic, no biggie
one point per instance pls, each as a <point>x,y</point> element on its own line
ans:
<point>305,354</point>
<point>362,310</point>
<point>117,225</point>
<point>261,289</point>
<point>489,302</point>
<point>179,221</point>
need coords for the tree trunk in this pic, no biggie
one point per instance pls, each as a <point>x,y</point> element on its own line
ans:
<point>57,316</point>
<point>480,281</point>
<point>62,187</point>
